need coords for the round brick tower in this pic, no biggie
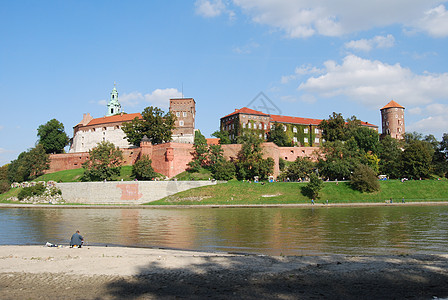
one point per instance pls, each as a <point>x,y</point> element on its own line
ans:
<point>392,118</point>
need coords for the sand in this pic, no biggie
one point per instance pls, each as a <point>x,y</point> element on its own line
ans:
<point>39,272</point>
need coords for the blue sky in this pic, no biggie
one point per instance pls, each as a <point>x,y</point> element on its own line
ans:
<point>60,59</point>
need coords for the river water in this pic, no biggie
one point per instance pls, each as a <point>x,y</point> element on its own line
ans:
<point>273,231</point>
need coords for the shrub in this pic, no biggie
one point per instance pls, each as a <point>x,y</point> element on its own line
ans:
<point>364,179</point>
<point>224,170</point>
<point>313,188</point>
<point>142,169</point>
<point>31,191</point>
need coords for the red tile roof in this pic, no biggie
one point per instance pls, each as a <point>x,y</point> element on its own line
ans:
<point>246,110</point>
<point>115,119</point>
<point>392,104</point>
<point>294,120</point>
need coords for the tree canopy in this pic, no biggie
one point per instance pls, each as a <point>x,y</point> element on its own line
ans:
<point>29,165</point>
<point>250,161</point>
<point>52,136</point>
<point>104,162</point>
<point>156,125</point>
<point>278,136</point>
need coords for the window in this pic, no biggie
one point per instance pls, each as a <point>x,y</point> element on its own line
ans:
<point>184,114</point>
<point>244,125</point>
<point>249,125</point>
<point>305,140</point>
<point>265,126</point>
<point>294,129</point>
<point>272,126</point>
<point>294,139</point>
<point>177,114</point>
<point>316,130</point>
<point>181,123</point>
<point>104,128</point>
<point>260,136</point>
<point>284,128</point>
<point>305,130</point>
<point>316,140</point>
<point>260,126</point>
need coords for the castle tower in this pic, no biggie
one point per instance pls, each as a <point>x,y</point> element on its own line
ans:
<point>392,117</point>
<point>185,110</point>
<point>113,107</point>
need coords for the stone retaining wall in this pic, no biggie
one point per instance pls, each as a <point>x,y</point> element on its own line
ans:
<point>124,192</point>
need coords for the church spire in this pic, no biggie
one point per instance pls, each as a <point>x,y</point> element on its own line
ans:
<point>113,107</point>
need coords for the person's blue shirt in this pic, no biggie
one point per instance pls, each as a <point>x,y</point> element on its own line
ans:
<point>76,239</point>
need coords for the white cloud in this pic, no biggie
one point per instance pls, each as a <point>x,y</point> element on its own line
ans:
<point>304,18</point>
<point>373,82</point>
<point>132,99</point>
<point>435,21</point>
<point>212,8</point>
<point>300,71</point>
<point>161,97</point>
<point>369,44</point>
<point>432,124</point>
<point>415,111</point>
<point>247,48</point>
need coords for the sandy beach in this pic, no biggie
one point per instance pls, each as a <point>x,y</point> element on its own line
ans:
<point>39,272</point>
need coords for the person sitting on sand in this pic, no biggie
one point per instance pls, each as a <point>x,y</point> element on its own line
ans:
<point>76,240</point>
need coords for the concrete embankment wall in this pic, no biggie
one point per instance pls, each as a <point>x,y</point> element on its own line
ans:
<point>124,192</point>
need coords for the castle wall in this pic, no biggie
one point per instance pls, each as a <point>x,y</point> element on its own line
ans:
<point>171,159</point>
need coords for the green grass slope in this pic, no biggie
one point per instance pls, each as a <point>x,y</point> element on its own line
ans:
<point>243,193</point>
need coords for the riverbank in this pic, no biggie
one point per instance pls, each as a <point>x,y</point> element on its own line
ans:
<point>38,272</point>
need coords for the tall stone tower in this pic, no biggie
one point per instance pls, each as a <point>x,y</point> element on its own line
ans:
<point>392,118</point>
<point>113,107</point>
<point>185,111</point>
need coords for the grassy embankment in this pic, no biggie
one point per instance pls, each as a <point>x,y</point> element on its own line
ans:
<point>242,193</point>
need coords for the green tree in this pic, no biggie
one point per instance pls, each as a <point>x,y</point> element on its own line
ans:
<point>278,136</point>
<point>4,183</point>
<point>223,137</point>
<point>390,157</point>
<point>250,161</point>
<point>440,158</point>
<point>339,159</point>
<point>302,167</point>
<point>367,139</point>
<point>224,170</point>
<point>104,162</point>
<point>333,128</point>
<point>142,169</point>
<point>52,136</point>
<point>29,165</point>
<point>416,159</point>
<point>200,153</point>
<point>312,189</point>
<point>156,125</point>
<point>364,179</point>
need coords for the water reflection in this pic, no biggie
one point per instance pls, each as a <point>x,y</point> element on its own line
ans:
<point>274,231</point>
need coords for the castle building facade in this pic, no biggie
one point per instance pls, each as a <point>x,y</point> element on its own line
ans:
<point>303,132</point>
<point>392,119</point>
<point>91,131</point>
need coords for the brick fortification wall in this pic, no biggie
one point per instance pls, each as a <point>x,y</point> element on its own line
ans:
<point>171,159</point>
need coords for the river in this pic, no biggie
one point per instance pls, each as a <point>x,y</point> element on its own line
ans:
<point>272,231</point>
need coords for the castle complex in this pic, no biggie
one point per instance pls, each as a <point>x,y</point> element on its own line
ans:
<point>89,132</point>
<point>172,158</point>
